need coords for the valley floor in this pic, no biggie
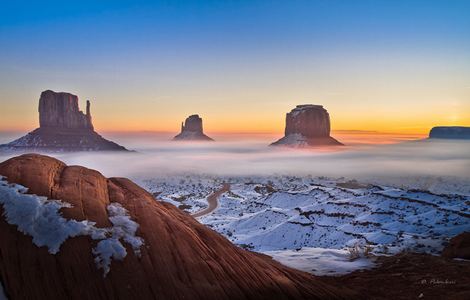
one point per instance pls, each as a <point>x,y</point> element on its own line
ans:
<point>320,225</point>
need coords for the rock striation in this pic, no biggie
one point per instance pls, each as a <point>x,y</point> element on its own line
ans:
<point>191,130</point>
<point>179,259</point>
<point>63,127</point>
<point>307,125</point>
<point>450,132</point>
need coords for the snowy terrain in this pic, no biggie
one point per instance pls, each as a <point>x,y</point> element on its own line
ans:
<point>316,224</point>
<point>41,219</point>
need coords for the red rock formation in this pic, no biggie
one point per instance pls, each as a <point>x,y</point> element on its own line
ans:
<point>459,247</point>
<point>307,125</point>
<point>308,120</point>
<point>181,258</point>
<point>63,127</point>
<point>61,110</point>
<point>192,130</point>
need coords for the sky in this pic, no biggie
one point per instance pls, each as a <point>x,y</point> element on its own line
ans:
<point>388,66</point>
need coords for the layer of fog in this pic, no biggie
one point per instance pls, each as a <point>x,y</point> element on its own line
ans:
<point>437,165</point>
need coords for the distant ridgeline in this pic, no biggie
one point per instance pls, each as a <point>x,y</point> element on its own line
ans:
<point>450,132</point>
<point>62,127</point>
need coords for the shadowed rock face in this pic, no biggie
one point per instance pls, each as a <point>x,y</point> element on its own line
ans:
<point>309,121</point>
<point>61,110</point>
<point>192,130</point>
<point>459,247</point>
<point>180,258</point>
<point>63,127</point>
<point>307,125</point>
<point>450,132</point>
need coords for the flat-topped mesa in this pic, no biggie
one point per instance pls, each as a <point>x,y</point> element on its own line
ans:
<point>450,132</point>
<point>191,130</point>
<point>62,127</point>
<point>307,125</point>
<point>61,110</point>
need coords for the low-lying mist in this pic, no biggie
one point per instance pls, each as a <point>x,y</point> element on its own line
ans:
<point>442,165</point>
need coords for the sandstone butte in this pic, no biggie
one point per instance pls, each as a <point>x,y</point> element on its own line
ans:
<point>63,127</point>
<point>192,130</point>
<point>307,125</point>
<point>181,258</point>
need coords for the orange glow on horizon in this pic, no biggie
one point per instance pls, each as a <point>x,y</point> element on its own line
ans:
<point>250,120</point>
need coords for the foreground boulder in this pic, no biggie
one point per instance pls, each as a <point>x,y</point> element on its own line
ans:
<point>450,132</point>
<point>307,125</point>
<point>458,247</point>
<point>191,130</point>
<point>62,127</point>
<point>163,254</point>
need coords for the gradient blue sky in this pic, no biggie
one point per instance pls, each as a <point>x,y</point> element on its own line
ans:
<point>400,66</point>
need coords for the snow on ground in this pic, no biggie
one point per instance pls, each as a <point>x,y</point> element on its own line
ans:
<point>186,192</point>
<point>320,261</point>
<point>41,219</point>
<point>313,222</point>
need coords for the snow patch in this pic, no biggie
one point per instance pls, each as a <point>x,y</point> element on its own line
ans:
<point>41,219</point>
<point>295,139</point>
<point>320,262</point>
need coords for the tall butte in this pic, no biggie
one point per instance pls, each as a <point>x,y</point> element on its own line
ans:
<point>63,127</point>
<point>307,125</point>
<point>191,130</point>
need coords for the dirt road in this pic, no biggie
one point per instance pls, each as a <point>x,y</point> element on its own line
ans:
<point>213,201</point>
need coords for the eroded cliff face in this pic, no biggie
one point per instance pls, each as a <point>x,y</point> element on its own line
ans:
<point>192,130</point>
<point>177,257</point>
<point>307,125</point>
<point>193,123</point>
<point>61,110</point>
<point>309,121</point>
<point>63,127</point>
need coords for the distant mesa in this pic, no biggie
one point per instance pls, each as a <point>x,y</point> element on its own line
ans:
<point>307,126</point>
<point>450,132</point>
<point>63,127</point>
<point>191,130</point>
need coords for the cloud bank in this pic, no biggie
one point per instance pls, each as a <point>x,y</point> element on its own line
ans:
<point>420,160</point>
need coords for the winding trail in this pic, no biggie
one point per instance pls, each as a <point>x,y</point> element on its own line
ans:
<point>213,201</point>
